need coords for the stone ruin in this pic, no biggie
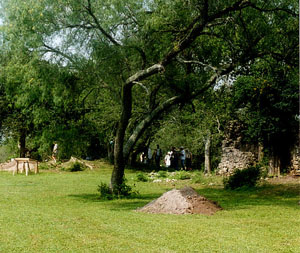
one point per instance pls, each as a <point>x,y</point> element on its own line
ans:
<point>239,155</point>
<point>236,154</point>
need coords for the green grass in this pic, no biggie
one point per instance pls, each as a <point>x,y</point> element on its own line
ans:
<point>61,212</point>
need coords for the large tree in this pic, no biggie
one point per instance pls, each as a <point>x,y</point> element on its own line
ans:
<point>161,52</point>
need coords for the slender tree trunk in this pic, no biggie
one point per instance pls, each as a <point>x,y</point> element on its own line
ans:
<point>207,162</point>
<point>260,152</point>
<point>119,161</point>
<point>22,142</point>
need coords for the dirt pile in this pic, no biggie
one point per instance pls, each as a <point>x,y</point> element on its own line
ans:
<point>183,201</point>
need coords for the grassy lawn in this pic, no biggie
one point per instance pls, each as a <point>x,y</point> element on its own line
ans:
<point>60,212</point>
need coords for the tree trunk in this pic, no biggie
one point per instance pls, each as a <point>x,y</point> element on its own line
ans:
<point>22,142</point>
<point>260,152</point>
<point>142,126</point>
<point>274,166</point>
<point>207,162</point>
<point>119,161</point>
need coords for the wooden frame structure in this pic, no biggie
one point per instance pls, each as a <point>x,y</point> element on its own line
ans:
<point>26,166</point>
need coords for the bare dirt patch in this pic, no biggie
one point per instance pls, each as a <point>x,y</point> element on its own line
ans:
<point>183,201</point>
<point>289,179</point>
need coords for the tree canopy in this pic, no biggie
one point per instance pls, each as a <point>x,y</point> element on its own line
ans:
<point>129,63</point>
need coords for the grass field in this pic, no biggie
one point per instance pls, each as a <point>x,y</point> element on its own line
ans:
<point>61,212</point>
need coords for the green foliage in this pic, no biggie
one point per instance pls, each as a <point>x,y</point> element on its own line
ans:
<point>120,191</point>
<point>162,174</point>
<point>105,191</point>
<point>71,91</point>
<point>76,167</point>
<point>248,177</point>
<point>198,178</point>
<point>182,175</point>
<point>44,166</point>
<point>141,177</point>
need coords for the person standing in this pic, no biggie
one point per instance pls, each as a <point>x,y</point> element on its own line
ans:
<point>182,158</point>
<point>158,156</point>
<point>188,160</point>
<point>55,151</point>
<point>149,155</point>
<point>168,159</point>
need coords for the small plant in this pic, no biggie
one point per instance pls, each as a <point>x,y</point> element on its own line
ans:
<point>76,167</point>
<point>162,174</point>
<point>122,191</point>
<point>243,178</point>
<point>198,178</point>
<point>182,175</point>
<point>44,166</point>
<point>141,177</point>
<point>105,191</point>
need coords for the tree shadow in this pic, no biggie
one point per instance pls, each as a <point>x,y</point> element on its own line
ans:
<point>129,203</point>
<point>266,195</point>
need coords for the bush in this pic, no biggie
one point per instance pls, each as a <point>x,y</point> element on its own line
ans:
<point>141,177</point>
<point>105,191</point>
<point>182,175</point>
<point>243,178</point>
<point>44,166</point>
<point>162,174</point>
<point>198,178</point>
<point>76,167</point>
<point>122,191</point>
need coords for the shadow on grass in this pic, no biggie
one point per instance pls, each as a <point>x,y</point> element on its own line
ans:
<point>130,203</point>
<point>266,195</point>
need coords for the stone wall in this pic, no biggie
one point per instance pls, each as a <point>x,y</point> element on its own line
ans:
<point>233,158</point>
<point>235,153</point>
<point>295,166</point>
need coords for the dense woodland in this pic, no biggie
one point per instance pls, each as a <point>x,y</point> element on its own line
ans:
<point>87,73</point>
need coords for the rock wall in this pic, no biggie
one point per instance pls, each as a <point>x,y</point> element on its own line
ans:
<point>235,153</point>
<point>295,166</point>
<point>233,158</point>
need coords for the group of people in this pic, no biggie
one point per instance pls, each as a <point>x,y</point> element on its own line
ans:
<point>175,158</point>
<point>149,157</point>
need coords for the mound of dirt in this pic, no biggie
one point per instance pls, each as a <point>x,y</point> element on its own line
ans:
<point>183,201</point>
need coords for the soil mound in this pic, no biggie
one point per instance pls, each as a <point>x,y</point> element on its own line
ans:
<point>183,201</point>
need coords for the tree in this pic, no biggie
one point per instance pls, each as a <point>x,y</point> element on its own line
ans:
<point>150,45</point>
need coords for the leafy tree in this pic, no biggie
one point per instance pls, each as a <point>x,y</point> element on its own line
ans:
<point>167,52</point>
<point>267,105</point>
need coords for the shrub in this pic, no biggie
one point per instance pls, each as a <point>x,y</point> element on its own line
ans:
<point>122,191</point>
<point>182,175</point>
<point>198,178</point>
<point>76,167</point>
<point>162,174</point>
<point>141,177</point>
<point>243,178</point>
<point>44,166</point>
<point>105,191</point>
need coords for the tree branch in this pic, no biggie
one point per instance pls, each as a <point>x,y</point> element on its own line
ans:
<point>107,35</point>
<point>56,51</point>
